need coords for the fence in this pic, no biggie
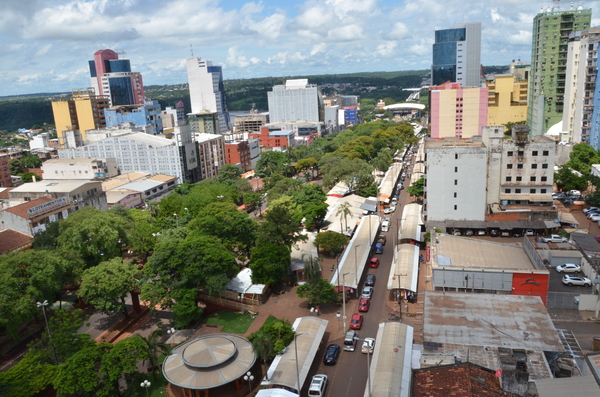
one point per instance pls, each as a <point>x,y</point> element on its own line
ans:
<point>562,300</point>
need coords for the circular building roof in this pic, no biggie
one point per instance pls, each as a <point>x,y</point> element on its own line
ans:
<point>209,361</point>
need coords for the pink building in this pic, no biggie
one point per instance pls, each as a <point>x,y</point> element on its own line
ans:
<point>112,77</point>
<point>456,111</point>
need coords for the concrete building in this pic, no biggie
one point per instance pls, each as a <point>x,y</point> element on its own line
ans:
<point>77,193</point>
<point>143,152</point>
<point>35,215</point>
<point>276,140</point>
<point>550,36</point>
<point>204,122</point>
<point>457,55</point>
<point>81,111</point>
<point>112,77</point>
<point>13,241</point>
<point>148,113</point>
<point>211,154</point>
<point>238,153</point>
<point>581,117</point>
<point>40,141</point>
<point>456,111</point>
<point>207,92</point>
<point>173,117</point>
<point>82,168</point>
<point>249,122</point>
<point>295,101</point>
<point>507,101</point>
<point>304,132</point>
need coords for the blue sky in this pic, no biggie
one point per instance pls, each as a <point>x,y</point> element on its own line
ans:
<point>45,45</point>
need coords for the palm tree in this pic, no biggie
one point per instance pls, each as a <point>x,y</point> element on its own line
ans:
<point>344,211</point>
<point>263,348</point>
<point>154,346</point>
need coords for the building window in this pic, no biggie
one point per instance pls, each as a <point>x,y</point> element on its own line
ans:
<point>456,156</point>
<point>544,178</point>
<point>545,153</point>
<point>534,166</point>
<point>456,182</point>
<point>455,169</point>
<point>542,191</point>
<point>508,178</point>
<point>519,166</point>
<point>532,190</point>
<point>506,190</point>
<point>509,153</point>
<point>509,166</point>
<point>532,179</point>
<point>517,190</point>
<point>520,153</point>
<point>534,153</point>
<point>454,194</point>
<point>455,207</point>
<point>544,166</point>
<point>519,178</point>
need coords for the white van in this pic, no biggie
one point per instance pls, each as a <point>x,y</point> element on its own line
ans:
<point>318,385</point>
<point>385,226</point>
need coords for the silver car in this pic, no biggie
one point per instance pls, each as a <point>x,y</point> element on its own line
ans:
<point>576,280</point>
<point>568,268</point>
<point>367,292</point>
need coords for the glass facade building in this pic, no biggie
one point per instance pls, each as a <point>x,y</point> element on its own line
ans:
<point>457,54</point>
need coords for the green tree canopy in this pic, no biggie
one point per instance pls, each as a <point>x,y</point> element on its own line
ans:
<point>582,157</point>
<point>229,173</point>
<point>270,263</point>
<point>31,161</point>
<point>280,225</point>
<point>79,375</point>
<point>566,179</point>
<point>278,332</point>
<point>417,189</point>
<point>272,163</point>
<point>317,291</point>
<point>33,373</point>
<point>331,242</point>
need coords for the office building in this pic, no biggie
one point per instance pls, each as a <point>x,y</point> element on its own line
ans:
<point>148,113</point>
<point>457,55</point>
<point>173,117</point>
<point>238,153</point>
<point>456,111</point>
<point>295,101</point>
<point>204,122</point>
<point>249,122</point>
<point>211,154</point>
<point>206,91</point>
<point>581,116</point>
<point>507,100</point>
<point>278,140</point>
<point>81,111</point>
<point>76,193</point>
<point>80,168</point>
<point>550,39</point>
<point>112,77</point>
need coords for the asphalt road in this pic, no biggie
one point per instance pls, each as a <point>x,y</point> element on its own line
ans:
<point>349,376</point>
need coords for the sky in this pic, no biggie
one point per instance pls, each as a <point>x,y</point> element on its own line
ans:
<point>46,44</point>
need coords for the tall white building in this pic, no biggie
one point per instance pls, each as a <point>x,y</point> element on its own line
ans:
<point>206,90</point>
<point>457,55</point>
<point>295,101</point>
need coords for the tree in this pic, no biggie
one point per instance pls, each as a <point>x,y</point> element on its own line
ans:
<point>106,286</point>
<point>270,262</point>
<point>272,163</point>
<point>279,226</point>
<point>119,364</point>
<point>317,291</point>
<point>508,126</point>
<point>228,173</point>
<point>566,179</point>
<point>15,166</point>
<point>79,374</point>
<point>154,345</point>
<point>344,211</point>
<point>278,331</point>
<point>46,239</point>
<point>417,189</point>
<point>31,161</point>
<point>582,157</point>
<point>95,235</point>
<point>66,339</point>
<point>142,233</point>
<point>32,374</point>
<point>263,348</point>
<point>331,242</point>
<point>28,177</point>
<point>306,164</point>
<point>252,201</point>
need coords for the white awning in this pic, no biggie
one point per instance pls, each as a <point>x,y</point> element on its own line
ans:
<point>411,222</point>
<point>404,272</point>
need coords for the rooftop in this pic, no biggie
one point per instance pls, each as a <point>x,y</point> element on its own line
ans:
<point>53,186</point>
<point>11,240</point>
<point>21,209</point>
<point>446,143</point>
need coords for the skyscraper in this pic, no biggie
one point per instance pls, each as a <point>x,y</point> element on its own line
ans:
<point>457,55</point>
<point>206,90</point>
<point>295,101</point>
<point>551,29</point>
<point>112,77</point>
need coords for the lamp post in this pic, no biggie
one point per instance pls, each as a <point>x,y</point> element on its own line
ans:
<point>145,384</point>
<point>171,331</point>
<point>249,377</point>
<point>344,296</point>
<point>356,265</point>
<point>43,306</point>
<point>297,370</point>
<point>368,365</point>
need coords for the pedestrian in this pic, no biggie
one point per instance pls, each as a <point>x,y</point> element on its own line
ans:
<point>318,311</point>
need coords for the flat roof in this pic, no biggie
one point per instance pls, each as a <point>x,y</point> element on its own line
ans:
<point>52,186</point>
<point>431,143</point>
<point>67,161</point>
<point>144,138</point>
<point>141,186</point>
<point>282,371</point>
<point>510,321</point>
<point>207,137</point>
<point>391,364</point>
<point>404,272</point>
<point>411,222</point>
<point>577,386</point>
<point>464,252</point>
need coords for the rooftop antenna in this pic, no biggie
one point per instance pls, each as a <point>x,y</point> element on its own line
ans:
<point>192,50</point>
<point>121,53</point>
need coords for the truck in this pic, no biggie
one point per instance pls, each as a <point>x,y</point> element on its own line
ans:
<point>554,238</point>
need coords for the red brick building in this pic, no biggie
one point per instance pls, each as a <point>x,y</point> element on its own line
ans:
<point>5,180</point>
<point>238,153</point>
<point>274,139</point>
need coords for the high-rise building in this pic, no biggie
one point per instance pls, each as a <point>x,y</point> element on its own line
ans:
<point>581,117</point>
<point>457,55</point>
<point>456,111</point>
<point>507,99</point>
<point>551,29</point>
<point>295,101</point>
<point>206,90</point>
<point>112,77</point>
<point>147,114</point>
<point>81,111</point>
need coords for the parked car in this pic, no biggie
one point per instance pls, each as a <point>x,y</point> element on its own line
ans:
<point>469,232</point>
<point>591,212</point>
<point>554,238</point>
<point>363,305</point>
<point>379,248</point>
<point>586,210</point>
<point>389,210</point>
<point>385,226</point>
<point>576,280</point>
<point>368,346</point>
<point>597,238</point>
<point>559,196</point>
<point>456,232</point>
<point>529,232</point>
<point>367,292</point>
<point>517,233</point>
<point>374,263</point>
<point>350,341</point>
<point>381,239</point>
<point>494,233</point>
<point>370,280</point>
<point>505,233</point>
<point>331,354</point>
<point>595,217</point>
<point>318,385</point>
<point>481,232</point>
<point>568,268</point>
<point>356,321</point>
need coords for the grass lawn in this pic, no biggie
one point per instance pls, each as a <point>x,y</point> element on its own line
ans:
<point>232,322</point>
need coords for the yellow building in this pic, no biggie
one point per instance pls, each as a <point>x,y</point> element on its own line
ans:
<point>82,111</point>
<point>507,101</point>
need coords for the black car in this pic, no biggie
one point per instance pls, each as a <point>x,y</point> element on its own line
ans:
<point>494,232</point>
<point>331,354</point>
<point>370,280</point>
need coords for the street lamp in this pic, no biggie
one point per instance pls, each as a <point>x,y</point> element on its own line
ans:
<point>145,384</point>
<point>297,370</point>
<point>249,377</point>
<point>356,264</point>
<point>344,295</point>
<point>171,331</point>
<point>43,306</point>
<point>368,364</point>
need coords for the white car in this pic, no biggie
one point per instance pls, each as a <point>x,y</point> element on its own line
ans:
<point>554,238</point>
<point>586,210</point>
<point>595,217</point>
<point>367,293</point>
<point>368,346</point>
<point>576,280</point>
<point>529,232</point>
<point>389,210</point>
<point>318,385</point>
<point>568,268</point>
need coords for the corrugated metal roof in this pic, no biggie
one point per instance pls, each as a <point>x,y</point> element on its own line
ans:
<point>404,272</point>
<point>581,386</point>
<point>141,186</point>
<point>242,283</point>
<point>411,222</point>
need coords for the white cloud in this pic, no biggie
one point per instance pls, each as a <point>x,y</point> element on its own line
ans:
<point>235,59</point>
<point>495,16</point>
<point>386,49</point>
<point>43,50</point>
<point>318,49</point>
<point>346,33</point>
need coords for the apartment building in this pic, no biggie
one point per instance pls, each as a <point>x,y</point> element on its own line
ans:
<point>81,168</point>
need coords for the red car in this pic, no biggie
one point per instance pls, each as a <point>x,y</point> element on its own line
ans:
<point>374,263</point>
<point>363,305</point>
<point>356,321</point>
